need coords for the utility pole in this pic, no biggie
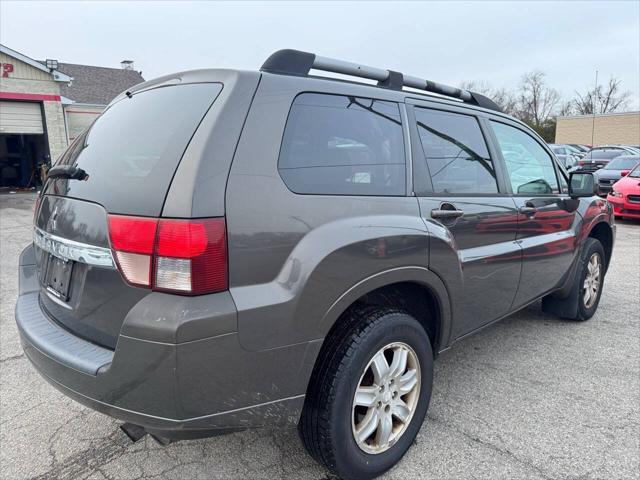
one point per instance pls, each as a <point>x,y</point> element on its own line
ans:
<point>593,122</point>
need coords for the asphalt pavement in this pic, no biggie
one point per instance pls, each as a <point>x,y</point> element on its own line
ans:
<point>530,397</point>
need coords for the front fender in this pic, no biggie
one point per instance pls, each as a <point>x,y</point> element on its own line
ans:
<point>593,212</point>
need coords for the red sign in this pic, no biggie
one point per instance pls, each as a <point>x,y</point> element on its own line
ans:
<point>7,68</point>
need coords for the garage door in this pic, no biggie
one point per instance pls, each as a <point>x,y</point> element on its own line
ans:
<point>20,117</point>
<point>79,119</point>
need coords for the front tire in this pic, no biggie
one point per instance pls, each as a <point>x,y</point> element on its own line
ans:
<point>369,393</point>
<point>584,297</point>
<point>591,279</point>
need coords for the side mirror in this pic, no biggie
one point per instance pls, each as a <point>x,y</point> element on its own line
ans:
<point>624,173</point>
<point>581,184</point>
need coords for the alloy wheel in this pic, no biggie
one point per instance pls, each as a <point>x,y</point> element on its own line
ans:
<point>592,280</point>
<point>386,397</point>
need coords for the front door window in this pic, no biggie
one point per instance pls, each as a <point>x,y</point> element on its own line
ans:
<point>529,166</point>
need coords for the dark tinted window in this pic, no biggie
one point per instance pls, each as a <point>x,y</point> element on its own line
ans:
<point>343,145</point>
<point>529,166</point>
<point>623,163</point>
<point>456,153</point>
<point>604,154</point>
<point>132,150</point>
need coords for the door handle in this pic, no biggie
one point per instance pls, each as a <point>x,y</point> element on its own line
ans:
<point>527,210</point>
<point>446,213</point>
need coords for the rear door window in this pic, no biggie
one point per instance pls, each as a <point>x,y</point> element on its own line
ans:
<point>133,149</point>
<point>343,145</point>
<point>456,153</point>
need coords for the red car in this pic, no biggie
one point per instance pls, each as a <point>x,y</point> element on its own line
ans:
<point>625,195</point>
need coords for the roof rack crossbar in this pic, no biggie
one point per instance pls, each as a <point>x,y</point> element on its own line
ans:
<point>295,62</point>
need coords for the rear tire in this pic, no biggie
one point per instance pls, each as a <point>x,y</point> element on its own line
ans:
<point>332,417</point>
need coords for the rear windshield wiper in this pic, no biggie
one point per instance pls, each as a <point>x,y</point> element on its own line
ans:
<point>67,171</point>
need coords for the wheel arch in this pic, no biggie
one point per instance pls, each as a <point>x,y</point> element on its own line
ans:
<point>415,289</point>
<point>603,232</point>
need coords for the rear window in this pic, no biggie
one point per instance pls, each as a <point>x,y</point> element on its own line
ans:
<point>340,145</point>
<point>622,163</point>
<point>133,149</point>
<point>604,154</point>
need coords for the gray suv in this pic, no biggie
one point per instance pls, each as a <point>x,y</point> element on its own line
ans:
<point>226,249</point>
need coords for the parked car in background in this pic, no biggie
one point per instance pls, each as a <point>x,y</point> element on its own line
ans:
<point>614,171</point>
<point>576,151</point>
<point>565,154</point>
<point>625,195</point>
<point>580,148</point>
<point>598,157</point>
<point>267,248</point>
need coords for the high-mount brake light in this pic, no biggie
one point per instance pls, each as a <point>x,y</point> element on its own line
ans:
<point>181,256</point>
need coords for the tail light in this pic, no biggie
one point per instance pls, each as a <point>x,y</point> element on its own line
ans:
<point>181,256</point>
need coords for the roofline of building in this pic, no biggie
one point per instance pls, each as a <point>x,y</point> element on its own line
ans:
<point>80,104</point>
<point>56,74</point>
<point>613,114</point>
<point>119,69</point>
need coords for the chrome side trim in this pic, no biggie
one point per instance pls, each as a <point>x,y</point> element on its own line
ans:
<point>69,250</point>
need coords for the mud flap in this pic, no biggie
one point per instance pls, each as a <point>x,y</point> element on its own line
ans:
<point>564,302</point>
<point>563,307</point>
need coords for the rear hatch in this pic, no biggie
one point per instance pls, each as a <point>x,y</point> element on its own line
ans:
<point>129,157</point>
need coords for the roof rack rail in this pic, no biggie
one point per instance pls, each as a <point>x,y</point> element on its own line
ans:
<point>295,62</point>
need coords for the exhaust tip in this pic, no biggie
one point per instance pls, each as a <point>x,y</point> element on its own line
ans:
<point>134,432</point>
<point>161,440</point>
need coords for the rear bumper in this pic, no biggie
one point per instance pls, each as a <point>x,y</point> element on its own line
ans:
<point>181,388</point>
<point>588,168</point>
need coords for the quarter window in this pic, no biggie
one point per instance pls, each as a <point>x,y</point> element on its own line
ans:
<point>529,166</point>
<point>456,152</point>
<point>343,145</point>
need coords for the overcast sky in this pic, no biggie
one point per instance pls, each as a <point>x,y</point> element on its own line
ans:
<point>447,42</point>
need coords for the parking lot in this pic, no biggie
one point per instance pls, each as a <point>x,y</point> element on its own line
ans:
<point>530,397</point>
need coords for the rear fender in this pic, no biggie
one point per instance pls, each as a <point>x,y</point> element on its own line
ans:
<point>413,274</point>
<point>326,271</point>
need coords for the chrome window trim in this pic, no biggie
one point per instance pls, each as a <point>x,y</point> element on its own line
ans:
<point>70,250</point>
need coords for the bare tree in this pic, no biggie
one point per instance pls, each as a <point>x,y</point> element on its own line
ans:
<point>566,108</point>
<point>505,99</point>
<point>601,99</point>
<point>536,101</point>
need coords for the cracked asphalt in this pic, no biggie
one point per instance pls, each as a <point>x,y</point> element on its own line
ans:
<point>530,397</point>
